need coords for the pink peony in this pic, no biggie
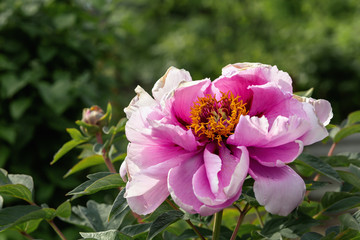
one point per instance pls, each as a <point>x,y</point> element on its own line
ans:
<point>199,140</point>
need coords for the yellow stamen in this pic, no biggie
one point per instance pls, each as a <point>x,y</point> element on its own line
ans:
<point>216,119</point>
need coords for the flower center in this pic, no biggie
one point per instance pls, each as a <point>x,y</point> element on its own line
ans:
<point>216,119</point>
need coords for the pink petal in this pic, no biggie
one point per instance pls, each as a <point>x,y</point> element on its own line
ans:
<point>180,184</point>
<point>277,156</point>
<point>316,131</point>
<point>174,135</point>
<point>322,108</point>
<point>250,131</point>
<point>185,97</point>
<point>144,194</point>
<point>234,171</point>
<point>169,82</point>
<point>230,173</point>
<point>261,71</point>
<point>142,99</point>
<point>269,100</point>
<point>285,130</point>
<point>279,189</point>
<point>159,157</point>
<point>212,166</point>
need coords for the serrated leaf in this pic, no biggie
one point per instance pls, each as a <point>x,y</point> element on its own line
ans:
<point>348,221</point>
<point>346,131</point>
<point>119,205</point>
<point>134,230</point>
<point>97,182</point>
<point>105,235</point>
<point>85,163</point>
<point>17,191</point>
<point>65,149</point>
<point>64,210</point>
<point>163,221</point>
<point>75,134</point>
<point>12,216</point>
<point>318,165</point>
<point>353,118</point>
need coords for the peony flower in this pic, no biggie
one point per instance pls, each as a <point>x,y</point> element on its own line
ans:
<point>199,140</point>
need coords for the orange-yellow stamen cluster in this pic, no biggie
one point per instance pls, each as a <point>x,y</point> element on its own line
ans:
<point>216,119</point>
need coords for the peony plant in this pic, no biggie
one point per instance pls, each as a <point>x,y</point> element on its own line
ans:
<point>201,159</point>
<point>199,140</point>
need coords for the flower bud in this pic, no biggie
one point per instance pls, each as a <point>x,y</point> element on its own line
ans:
<point>93,116</point>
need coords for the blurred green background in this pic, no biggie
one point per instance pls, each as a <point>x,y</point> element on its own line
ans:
<point>58,57</point>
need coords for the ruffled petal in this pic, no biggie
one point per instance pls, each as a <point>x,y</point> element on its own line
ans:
<point>144,194</point>
<point>142,99</point>
<point>185,97</point>
<point>321,107</point>
<point>164,87</point>
<point>271,74</point>
<point>279,189</point>
<point>180,184</point>
<point>277,156</point>
<point>316,131</point>
<point>230,171</point>
<point>250,131</point>
<point>270,101</point>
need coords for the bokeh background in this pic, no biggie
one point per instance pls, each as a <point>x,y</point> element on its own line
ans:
<point>60,56</point>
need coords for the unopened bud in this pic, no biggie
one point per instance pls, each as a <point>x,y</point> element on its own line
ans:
<point>93,116</point>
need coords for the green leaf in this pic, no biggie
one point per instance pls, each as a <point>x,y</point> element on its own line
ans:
<point>95,216</point>
<point>306,93</point>
<point>189,234</point>
<point>19,106</point>
<point>75,134</point>
<point>346,131</point>
<point>334,202</point>
<point>23,179</point>
<point>12,216</point>
<point>350,178</point>
<point>86,163</point>
<point>311,236</point>
<point>163,221</point>
<point>17,191</point>
<point>119,205</point>
<point>64,21</point>
<point>353,118</point>
<point>11,84</point>
<point>348,221</point>
<point>97,182</point>
<point>8,133</point>
<point>29,226</point>
<point>355,170</point>
<point>66,148</point>
<point>318,165</point>
<point>64,210</point>
<point>134,230</point>
<point>105,235</point>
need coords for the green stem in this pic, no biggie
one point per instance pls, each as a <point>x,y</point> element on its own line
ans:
<point>57,230</point>
<point>217,225</point>
<point>259,217</point>
<point>26,235</point>
<point>240,219</point>
<point>187,221</point>
<point>107,160</point>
